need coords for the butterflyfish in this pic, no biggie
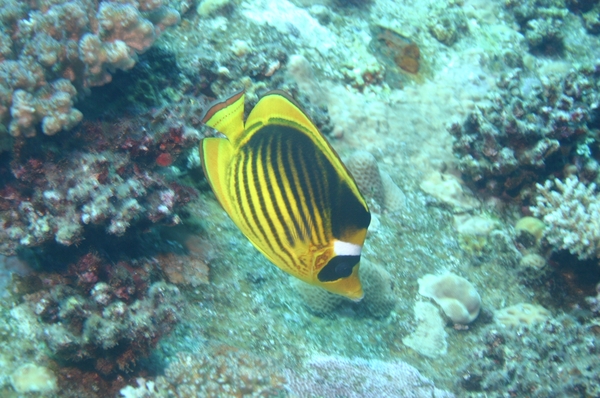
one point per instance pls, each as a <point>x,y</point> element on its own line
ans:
<point>287,190</point>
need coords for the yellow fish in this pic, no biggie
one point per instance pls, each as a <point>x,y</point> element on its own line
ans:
<point>287,190</point>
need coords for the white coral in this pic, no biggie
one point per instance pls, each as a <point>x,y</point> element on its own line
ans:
<point>571,210</point>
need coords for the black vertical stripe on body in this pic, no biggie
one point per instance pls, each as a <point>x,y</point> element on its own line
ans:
<point>316,183</point>
<point>280,182</point>
<point>323,192</point>
<point>309,183</point>
<point>303,203</point>
<point>289,175</point>
<point>273,182</point>
<point>238,183</point>
<point>305,161</point>
<point>251,174</point>
<point>262,181</point>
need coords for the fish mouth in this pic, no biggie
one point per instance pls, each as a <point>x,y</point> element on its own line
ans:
<point>356,296</point>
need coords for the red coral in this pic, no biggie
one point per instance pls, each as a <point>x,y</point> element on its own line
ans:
<point>164,159</point>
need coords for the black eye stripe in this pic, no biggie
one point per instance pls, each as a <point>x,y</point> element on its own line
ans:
<point>337,268</point>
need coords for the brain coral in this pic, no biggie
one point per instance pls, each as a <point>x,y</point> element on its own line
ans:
<point>379,299</point>
<point>522,314</point>
<point>376,185</point>
<point>456,295</point>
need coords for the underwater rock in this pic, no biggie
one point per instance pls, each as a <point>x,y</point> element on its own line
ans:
<point>429,337</point>
<point>449,189</point>
<point>456,295</point>
<point>467,224</point>
<point>400,54</point>
<point>208,7</point>
<point>30,378</point>
<point>532,261</point>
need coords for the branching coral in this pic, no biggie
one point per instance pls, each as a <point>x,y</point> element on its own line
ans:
<point>49,48</point>
<point>571,210</point>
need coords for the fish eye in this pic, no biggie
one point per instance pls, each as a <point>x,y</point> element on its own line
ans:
<point>338,267</point>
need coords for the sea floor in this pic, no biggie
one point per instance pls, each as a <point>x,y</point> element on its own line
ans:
<point>256,323</point>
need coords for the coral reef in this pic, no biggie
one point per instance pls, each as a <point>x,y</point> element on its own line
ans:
<point>333,376</point>
<point>318,300</point>
<point>571,210</point>
<point>591,19</point>
<point>529,128</point>
<point>221,371</point>
<point>93,322</point>
<point>541,22</point>
<point>365,171</point>
<point>112,180</point>
<point>379,299</point>
<point>110,329</point>
<point>556,358</point>
<point>594,301</point>
<point>50,51</point>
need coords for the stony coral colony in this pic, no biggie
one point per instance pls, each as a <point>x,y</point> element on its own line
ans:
<point>99,181</point>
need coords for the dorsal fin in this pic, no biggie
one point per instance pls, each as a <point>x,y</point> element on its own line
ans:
<point>278,104</point>
<point>226,116</point>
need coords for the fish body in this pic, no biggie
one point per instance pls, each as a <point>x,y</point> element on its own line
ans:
<point>287,190</point>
